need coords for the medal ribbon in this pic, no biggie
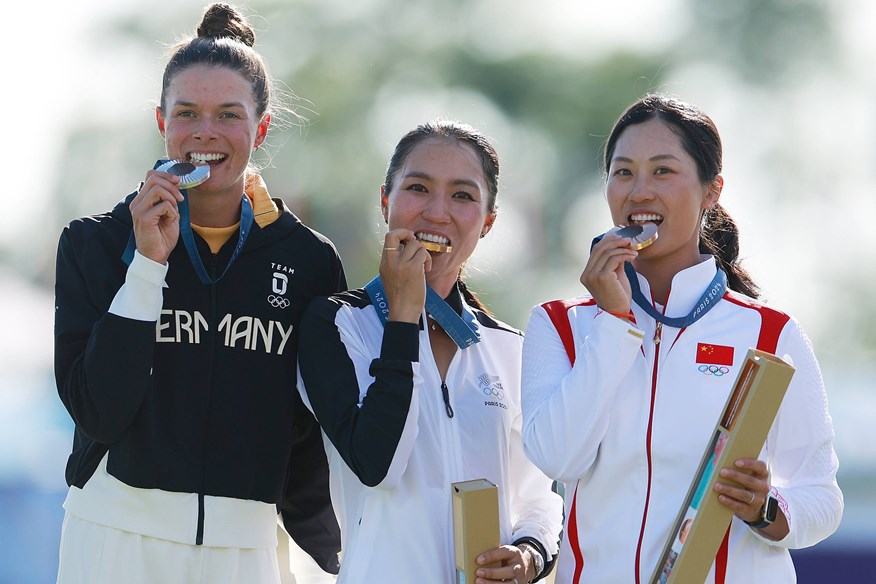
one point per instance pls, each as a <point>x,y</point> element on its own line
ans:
<point>707,301</point>
<point>188,237</point>
<point>463,329</point>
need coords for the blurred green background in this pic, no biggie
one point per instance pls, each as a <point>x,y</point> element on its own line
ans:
<point>790,84</point>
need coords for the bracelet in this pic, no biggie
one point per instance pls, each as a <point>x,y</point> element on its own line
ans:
<point>621,315</point>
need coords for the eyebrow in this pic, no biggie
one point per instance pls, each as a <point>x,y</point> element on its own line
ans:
<point>458,181</point>
<point>227,105</point>
<point>652,159</point>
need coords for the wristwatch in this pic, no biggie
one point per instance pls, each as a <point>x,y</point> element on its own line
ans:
<point>768,513</point>
<point>537,558</point>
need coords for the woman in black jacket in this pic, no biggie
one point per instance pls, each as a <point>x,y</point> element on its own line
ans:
<point>176,342</point>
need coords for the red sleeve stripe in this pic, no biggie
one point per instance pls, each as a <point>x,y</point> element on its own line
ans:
<point>558,311</point>
<point>574,544</point>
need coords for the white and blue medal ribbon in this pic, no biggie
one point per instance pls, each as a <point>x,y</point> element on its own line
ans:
<point>463,329</point>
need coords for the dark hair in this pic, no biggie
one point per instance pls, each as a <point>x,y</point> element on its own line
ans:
<point>464,134</point>
<point>699,137</point>
<point>224,39</point>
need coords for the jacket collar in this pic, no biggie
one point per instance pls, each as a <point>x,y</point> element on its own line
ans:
<point>687,287</point>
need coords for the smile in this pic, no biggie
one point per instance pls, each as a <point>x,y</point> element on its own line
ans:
<point>639,218</point>
<point>206,158</point>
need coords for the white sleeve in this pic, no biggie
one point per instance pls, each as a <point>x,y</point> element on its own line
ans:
<point>141,297</point>
<point>536,511</point>
<point>801,457</point>
<point>565,408</point>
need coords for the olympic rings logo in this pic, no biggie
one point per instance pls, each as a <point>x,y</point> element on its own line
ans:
<point>278,301</point>
<point>495,392</point>
<point>716,370</point>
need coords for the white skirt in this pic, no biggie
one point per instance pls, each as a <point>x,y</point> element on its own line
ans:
<point>96,554</point>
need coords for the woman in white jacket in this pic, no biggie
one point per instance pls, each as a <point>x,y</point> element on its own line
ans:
<point>622,387</point>
<point>416,386</point>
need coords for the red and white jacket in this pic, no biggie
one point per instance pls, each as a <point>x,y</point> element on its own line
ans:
<point>621,413</point>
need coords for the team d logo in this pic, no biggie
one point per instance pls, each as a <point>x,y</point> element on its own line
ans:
<point>279,287</point>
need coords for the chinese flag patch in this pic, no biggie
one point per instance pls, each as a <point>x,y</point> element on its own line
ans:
<point>714,354</point>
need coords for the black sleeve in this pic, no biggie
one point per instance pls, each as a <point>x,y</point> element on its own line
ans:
<point>366,437</point>
<point>341,283</point>
<point>102,361</point>
<point>306,508</point>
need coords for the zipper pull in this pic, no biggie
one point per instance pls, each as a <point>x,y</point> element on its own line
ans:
<point>446,393</point>
<point>657,332</point>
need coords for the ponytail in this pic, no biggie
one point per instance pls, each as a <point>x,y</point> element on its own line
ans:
<point>719,236</point>
<point>470,297</point>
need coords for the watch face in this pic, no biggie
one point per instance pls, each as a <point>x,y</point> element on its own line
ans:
<point>771,510</point>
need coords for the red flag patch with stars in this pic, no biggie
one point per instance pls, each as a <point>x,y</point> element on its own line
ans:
<point>714,354</point>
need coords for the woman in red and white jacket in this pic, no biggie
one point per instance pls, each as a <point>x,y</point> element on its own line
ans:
<point>622,387</point>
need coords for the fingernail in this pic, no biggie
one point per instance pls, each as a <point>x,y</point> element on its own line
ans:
<point>481,560</point>
<point>481,572</point>
<point>725,472</point>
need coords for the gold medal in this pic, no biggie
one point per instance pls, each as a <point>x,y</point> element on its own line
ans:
<point>438,247</point>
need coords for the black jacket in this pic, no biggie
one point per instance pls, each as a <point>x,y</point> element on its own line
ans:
<point>204,401</point>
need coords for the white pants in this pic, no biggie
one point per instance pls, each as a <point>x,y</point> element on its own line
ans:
<point>95,554</point>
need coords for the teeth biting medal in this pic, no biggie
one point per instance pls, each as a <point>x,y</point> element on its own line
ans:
<point>434,246</point>
<point>190,175</point>
<point>641,236</point>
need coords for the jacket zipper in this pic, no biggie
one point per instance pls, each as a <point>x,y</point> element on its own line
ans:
<point>446,393</point>
<point>658,332</point>
<point>199,537</point>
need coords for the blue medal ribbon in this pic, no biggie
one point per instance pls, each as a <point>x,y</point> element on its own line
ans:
<point>463,329</point>
<point>188,237</point>
<point>707,301</point>
<point>714,292</point>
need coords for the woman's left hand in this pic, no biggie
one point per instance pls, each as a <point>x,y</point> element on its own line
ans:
<point>516,566</point>
<point>749,493</point>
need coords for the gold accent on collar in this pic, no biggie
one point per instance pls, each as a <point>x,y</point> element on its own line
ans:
<point>264,208</point>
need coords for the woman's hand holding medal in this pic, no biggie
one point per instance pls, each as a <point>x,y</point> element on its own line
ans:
<point>403,268</point>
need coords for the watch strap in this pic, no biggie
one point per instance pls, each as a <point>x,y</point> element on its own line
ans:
<point>767,513</point>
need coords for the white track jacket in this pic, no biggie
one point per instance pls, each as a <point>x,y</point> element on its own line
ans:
<point>625,427</point>
<point>394,449</point>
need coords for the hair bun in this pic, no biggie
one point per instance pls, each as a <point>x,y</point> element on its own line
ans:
<point>224,21</point>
